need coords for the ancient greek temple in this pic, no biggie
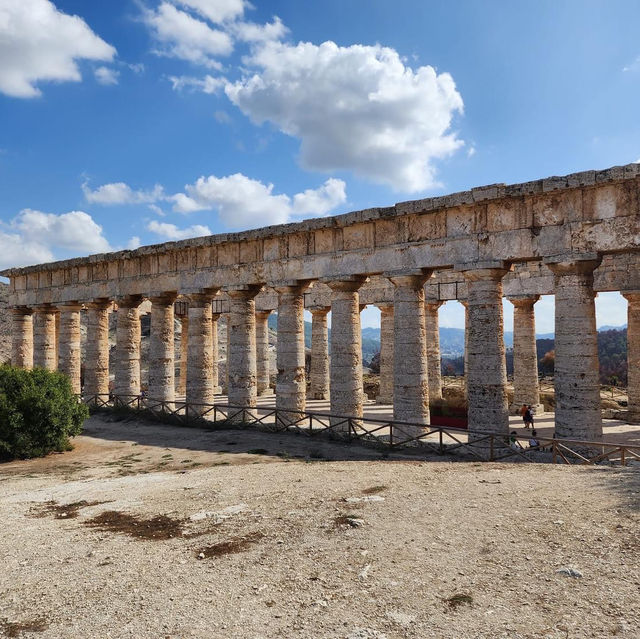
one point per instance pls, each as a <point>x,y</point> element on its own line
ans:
<point>568,236</point>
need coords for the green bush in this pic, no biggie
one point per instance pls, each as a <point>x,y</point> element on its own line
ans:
<point>38,413</point>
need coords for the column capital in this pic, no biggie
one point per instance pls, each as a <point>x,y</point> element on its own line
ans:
<point>318,310</point>
<point>523,301</point>
<point>573,264</point>
<point>44,308</point>
<point>264,313</point>
<point>202,298</point>
<point>484,271</point>
<point>69,306</point>
<point>414,279</point>
<point>433,305</point>
<point>164,298</point>
<point>633,297</point>
<point>99,304</point>
<point>129,301</point>
<point>290,286</point>
<point>21,310</point>
<point>346,283</point>
<point>384,306</point>
<point>244,291</point>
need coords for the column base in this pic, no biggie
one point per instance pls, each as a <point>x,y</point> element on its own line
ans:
<point>384,400</point>
<point>319,395</point>
<point>266,392</point>
<point>217,390</point>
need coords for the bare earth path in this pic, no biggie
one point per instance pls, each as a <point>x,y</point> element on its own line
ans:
<point>185,533</point>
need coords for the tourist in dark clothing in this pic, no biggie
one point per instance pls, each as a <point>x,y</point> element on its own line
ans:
<point>528,418</point>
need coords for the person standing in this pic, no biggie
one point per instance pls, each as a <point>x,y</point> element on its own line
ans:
<point>528,417</point>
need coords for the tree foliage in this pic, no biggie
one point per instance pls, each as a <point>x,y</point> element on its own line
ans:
<point>38,412</point>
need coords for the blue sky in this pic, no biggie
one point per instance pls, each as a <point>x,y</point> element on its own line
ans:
<point>132,122</point>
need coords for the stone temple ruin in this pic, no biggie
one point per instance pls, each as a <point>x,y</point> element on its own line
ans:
<point>569,236</point>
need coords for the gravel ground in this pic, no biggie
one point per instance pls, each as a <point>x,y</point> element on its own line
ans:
<point>154,531</point>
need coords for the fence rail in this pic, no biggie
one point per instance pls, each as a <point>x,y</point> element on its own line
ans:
<point>385,434</point>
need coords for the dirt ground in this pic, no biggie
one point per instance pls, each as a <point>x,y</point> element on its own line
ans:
<point>152,531</point>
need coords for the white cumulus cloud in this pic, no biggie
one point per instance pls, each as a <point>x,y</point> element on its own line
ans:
<point>121,193</point>
<point>358,108</point>
<point>40,43</point>
<point>106,76</point>
<point>33,237</point>
<point>242,202</point>
<point>180,35</point>
<point>172,232</point>
<point>74,231</point>
<point>208,84</point>
<point>217,10</point>
<point>321,200</point>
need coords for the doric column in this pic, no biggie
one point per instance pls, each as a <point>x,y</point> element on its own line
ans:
<point>215,354</point>
<point>241,358</point>
<point>465,361</point>
<point>127,364</point>
<point>525,356</point>
<point>386,354</point>
<point>44,338</point>
<point>262,353</point>
<point>57,349</point>
<point>410,376</point>
<point>319,352</point>
<point>22,337</point>
<point>69,358</point>
<point>576,369</point>
<point>346,390</point>
<point>96,367</point>
<point>200,387</point>
<point>228,318</point>
<point>184,355</point>
<point>291,383</point>
<point>487,372</point>
<point>434,365</point>
<point>162,369</point>
<point>633,356</point>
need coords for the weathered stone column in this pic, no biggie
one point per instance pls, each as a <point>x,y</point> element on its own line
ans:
<point>96,368</point>
<point>526,388</point>
<point>22,337</point>
<point>319,353</point>
<point>241,358</point>
<point>576,369</point>
<point>162,367</point>
<point>184,356</point>
<point>44,338</point>
<point>346,392</point>
<point>487,372</point>
<point>466,345</point>
<point>228,318</point>
<point>291,383</point>
<point>262,353</point>
<point>410,376</point>
<point>69,359</point>
<point>215,354</point>
<point>633,356</point>
<point>434,364</point>
<point>127,364</point>
<point>57,349</point>
<point>200,387</point>
<point>386,354</point>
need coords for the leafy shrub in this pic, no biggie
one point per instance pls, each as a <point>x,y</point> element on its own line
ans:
<point>38,412</point>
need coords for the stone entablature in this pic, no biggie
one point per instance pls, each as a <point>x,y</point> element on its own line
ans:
<point>593,212</point>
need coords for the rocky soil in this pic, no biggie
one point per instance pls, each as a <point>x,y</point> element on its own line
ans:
<point>153,531</point>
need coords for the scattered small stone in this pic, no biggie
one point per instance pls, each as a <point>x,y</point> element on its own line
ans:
<point>368,498</point>
<point>567,571</point>
<point>200,555</point>
<point>364,573</point>
<point>558,522</point>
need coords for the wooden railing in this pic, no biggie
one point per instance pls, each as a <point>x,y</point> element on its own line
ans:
<point>385,434</point>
